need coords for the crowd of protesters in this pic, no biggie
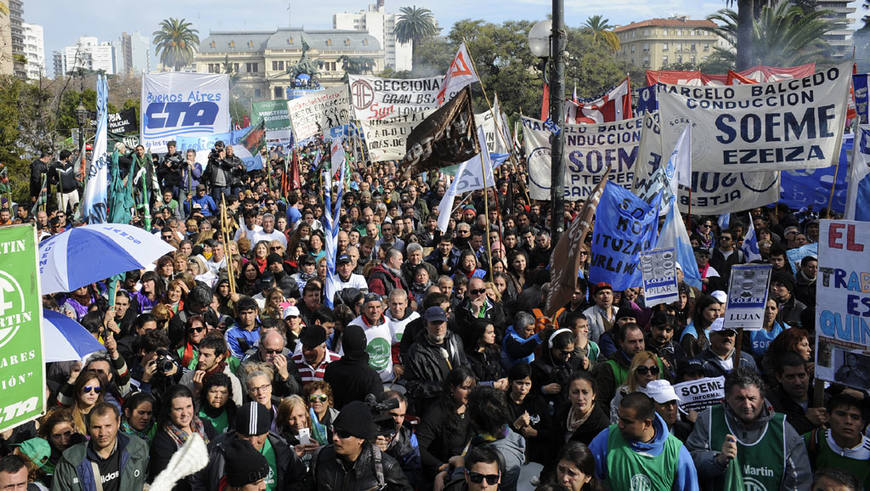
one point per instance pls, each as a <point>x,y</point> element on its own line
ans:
<point>435,367</point>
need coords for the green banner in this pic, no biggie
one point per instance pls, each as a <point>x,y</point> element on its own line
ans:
<point>22,371</point>
<point>274,113</point>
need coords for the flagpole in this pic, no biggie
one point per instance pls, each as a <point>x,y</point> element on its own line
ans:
<point>837,166</point>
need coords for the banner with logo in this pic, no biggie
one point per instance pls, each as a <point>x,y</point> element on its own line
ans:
<point>625,225</point>
<point>316,113</point>
<point>386,138</point>
<point>842,300</point>
<point>122,122</point>
<point>791,124</point>
<point>747,296</point>
<point>277,121</point>
<point>22,371</point>
<point>659,270</point>
<point>589,149</point>
<point>795,256</point>
<point>862,97</point>
<point>379,98</point>
<point>183,104</point>
<point>701,393</point>
<point>496,129</point>
<point>246,144</point>
<point>713,193</point>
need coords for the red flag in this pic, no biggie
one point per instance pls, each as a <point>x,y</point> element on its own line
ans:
<point>545,103</point>
<point>612,106</point>
<point>735,78</point>
<point>295,182</point>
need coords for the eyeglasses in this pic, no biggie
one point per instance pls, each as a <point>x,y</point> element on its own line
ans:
<point>261,388</point>
<point>88,388</point>
<point>477,478</point>
<point>276,248</point>
<point>270,204</point>
<point>65,434</point>
<point>645,370</point>
<point>196,329</point>
<point>272,351</point>
<point>477,291</point>
<point>318,398</point>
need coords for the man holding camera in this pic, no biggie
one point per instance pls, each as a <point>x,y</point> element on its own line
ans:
<point>398,440</point>
<point>157,368</point>
<point>169,171</point>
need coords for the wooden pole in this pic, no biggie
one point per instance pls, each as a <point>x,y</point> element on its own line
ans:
<point>225,238</point>
<point>738,348</point>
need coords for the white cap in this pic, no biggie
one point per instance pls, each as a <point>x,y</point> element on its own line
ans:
<point>720,296</point>
<point>292,310</point>
<point>660,391</point>
<point>719,325</point>
<point>677,264</point>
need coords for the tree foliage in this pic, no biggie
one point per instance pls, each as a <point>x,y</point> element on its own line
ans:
<point>602,31</point>
<point>414,25</point>
<point>176,42</point>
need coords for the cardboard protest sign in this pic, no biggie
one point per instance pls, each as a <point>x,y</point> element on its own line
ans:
<point>788,124</point>
<point>22,371</point>
<point>625,225</point>
<point>843,304</point>
<point>700,394</point>
<point>713,193</point>
<point>316,113</point>
<point>589,150</point>
<point>385,138</point>
<point>747,296</point>
<point>659,269</point>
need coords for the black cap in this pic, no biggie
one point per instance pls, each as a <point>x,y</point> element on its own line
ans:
<point>253,418</point>
<point>626,311</point>
<point>343,259</point>
<point>313,336</point>
<point>356,420</point>
<point>435,314</point>
<point>244,465</point>
<point>273,258</point>
<point>702,250</point>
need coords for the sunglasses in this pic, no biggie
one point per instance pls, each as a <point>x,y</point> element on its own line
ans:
<point>342,433</point>
<point>88,388</point>
<point>318,398</point>
<point>272,351</point>
<point>196,329</point>
<point>276,248</point>
<point>645,370</point>
<point>477,478</point>
<point>478,291</point>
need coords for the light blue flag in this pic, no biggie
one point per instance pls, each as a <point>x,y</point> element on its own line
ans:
<point>750,244</point>
<point>674,235</point>
<point>96,194</point>
<point>724,221</point>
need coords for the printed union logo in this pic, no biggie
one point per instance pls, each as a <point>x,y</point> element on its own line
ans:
<point>640,482</point>
<point>750,484</point>
<point>379,353</point>
<point>11,303</point>
<point>362,94</point>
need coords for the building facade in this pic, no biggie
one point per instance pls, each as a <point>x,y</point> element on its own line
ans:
<point>380,24</point>
<point>34,51</point>
<point>16,27</point>
<point>5,39</point>
<point>656,44</point>
<point>132,53</point>
<point>839,38</point>
<point>87,54</point>
<point>261,60</point>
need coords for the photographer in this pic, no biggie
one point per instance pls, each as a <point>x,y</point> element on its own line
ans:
<point>169,170</point>
<point>157,369</point>
<point>398,440</point>
<point>237,170</point>
<point>218,171</point>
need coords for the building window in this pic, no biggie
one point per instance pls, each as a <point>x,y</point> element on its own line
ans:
<point>212,44</point>
<point>250,44</point>
<point>258,93</point>
<point>279,92</point>
<point>693,48</point>
<point>277,64</point>
<point>232,44</point>
<point>289,40</point>
<point>329,42</point>
<point>347,42</point>
<point>665,47</point>
<point>664,60</point>
<point>693,60</point>
<point>646,47</point>
<point>365,42</point>
<point>632,48</point>
<point>679,59</point>
<point>251,67</point>
<point>706,46</point>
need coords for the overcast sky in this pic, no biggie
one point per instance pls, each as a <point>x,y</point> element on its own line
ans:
<point>65,21</point>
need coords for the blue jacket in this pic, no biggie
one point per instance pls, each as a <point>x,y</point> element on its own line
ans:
<point>686,477</point>
<point>515,349</point>
<point>208,205</point>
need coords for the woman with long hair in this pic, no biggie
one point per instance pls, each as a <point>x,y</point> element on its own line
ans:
<point>759,341</point>
<point>467,266</point>
<point>444,430</point>
<point>795,340</point>
<point>694,338</point>
<point>58,428</point>
<point>177,424</point>
<point>517,265</point>
<point>575,468</point>
<point>293,422</point>
<point>644,369</point>
<point>552,370</point>
<point>483,351</point>
<point>88,389</point>
<point>137,417</point>
<point>225,305</point>
<point>315,246</point>
<point>580,419</point>
<point>165,269</point>
<point>216,402</point>
<point>259,254</point>
<point>194,331</point>
<point>248,282</point>
<point>529,413</point>
<point>150,293</point>
<point>274,301</point>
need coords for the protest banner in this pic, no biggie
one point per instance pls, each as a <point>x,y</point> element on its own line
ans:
<point>277,121</point>
<point>857,205</point>
<point>183,104</point>
<point>246,144</point>
<point>385,138</point>
<point>625,225</point>
<point>496,130</point>
<point>122,123</point>
<point>747,296</point>
<point>791,124</point>
<point>843,304</point>
<point>589,150</point>
<point>659,270</point>
<point>459,74</point>
<point>758,73</point>
<point>473,174</point>
<point>447,137</point>
<point>701,393</point>
<point>713,193</point>
<point>22,371</point>
<point>811,188</point>
<point>379,98</point>
<point>316,113</point>
<point>862,97</point>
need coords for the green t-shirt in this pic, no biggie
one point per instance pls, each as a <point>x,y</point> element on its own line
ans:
<point>272,478</point>
<point>221,423</point>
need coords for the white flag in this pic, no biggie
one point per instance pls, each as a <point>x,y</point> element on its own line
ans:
<point>459,74</point>
<point>94,202</point>
<point>750,244</point>
<point>679,168</point>
<point>473,174</point>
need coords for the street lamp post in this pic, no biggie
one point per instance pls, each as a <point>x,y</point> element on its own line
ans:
<point>81,119</point>
<point>552,46</point>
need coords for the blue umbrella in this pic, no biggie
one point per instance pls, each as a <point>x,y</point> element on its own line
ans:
<point>64,339</point>
<point>83,255</point>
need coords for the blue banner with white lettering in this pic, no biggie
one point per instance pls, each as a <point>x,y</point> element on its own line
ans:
<point>646,100</point>
<point>625,225</point>
<point>862,99</point>
<point>812,187</point>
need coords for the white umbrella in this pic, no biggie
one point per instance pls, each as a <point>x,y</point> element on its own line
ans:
<point>83,255</point>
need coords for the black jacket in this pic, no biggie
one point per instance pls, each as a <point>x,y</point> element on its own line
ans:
<point>329,473</point>
<point>723,265</point>
<point>442,434</point>
<point>790,312</point>
<point>63,173</point>
<point>487,364</point>
<point>169,170</point>
<point>291,470</point>
<point>351,379</point>
<point>163,448</point>
<point>794,412</point>
<point>545,371</point>
<point>426,369</point>
<point>37,169</point>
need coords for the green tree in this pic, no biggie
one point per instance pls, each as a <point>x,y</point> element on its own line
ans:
<point>601,31</point>
<point>414,25</point>
<point>783,35</point>
<point>176,42</point>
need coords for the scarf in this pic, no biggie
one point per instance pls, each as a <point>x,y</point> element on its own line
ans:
<point>318,430</point>
<point>180,436</point>
<point>260,263</point>
<point>144,435</point>
<point>571,425</point>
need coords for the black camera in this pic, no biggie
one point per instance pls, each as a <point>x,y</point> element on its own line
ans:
<point>164,361</point>
<point>386,425</point>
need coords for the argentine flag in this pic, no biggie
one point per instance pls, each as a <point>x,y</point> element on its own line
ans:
<point>96,192</point>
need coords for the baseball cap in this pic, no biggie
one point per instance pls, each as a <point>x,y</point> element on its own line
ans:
<point>720,296</point>
<point>343,259</point>
<point>660,391</point>
<point>290,311</point>
<point>247,465</point>
<point>602,285</point>
<point>37,450</point>
<point>435,314</point>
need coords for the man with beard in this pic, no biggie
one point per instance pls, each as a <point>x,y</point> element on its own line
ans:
<point>660,340</point>
<point>805,281</point>
<point>431,358</point>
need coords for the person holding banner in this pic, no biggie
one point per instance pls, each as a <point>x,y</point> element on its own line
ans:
<point>768,454</point>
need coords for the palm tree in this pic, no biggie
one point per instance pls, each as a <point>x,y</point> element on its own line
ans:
<point>743,31</point>
<point>414,25</point>
<point>601,30</point>
<point>176,42</point>
<point>784,35</point>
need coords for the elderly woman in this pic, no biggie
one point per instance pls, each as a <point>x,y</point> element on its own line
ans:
<point>258,383</point>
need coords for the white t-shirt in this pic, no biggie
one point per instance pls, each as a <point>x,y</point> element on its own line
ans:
<point>378,346</point>
<point>273,235</point>
<point>357,281</point>
<point>249,233</point>
<point>397,327</point>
